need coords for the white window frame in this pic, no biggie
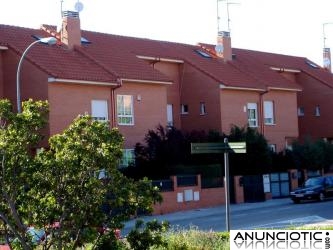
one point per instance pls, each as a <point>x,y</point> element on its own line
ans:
<point>252,109</point>
<point>169,115</point>
<point>184,109</point>
<point>269,113</point>
<point>272,147</point>
<point>202,108</point>
<point>99,110</point>
<point>127,158</point>
<point>300,111</point>
<point>317,111</point>
<point>125,112</point>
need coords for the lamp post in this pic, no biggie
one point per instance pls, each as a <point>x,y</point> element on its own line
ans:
<point>46,40</point>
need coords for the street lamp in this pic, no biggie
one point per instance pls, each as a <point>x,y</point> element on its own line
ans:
<point>46,40</point>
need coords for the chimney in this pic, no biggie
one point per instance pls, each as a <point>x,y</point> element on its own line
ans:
<point>327,59</point>
<point>71,30</point>
<point>223,47</point>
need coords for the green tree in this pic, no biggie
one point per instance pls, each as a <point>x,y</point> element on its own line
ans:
<point>72,189</point>
<point>257,159</point>
<point>19,133</point>
<point>164,148</point>
<point>313,155</point>
<point>78,176</point>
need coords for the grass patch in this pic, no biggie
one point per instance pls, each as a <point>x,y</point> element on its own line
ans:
<point>194,239</point>
<point>315,227</point>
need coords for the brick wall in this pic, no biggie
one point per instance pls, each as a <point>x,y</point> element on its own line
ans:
<point>194,197</point>
<point>293,173</point>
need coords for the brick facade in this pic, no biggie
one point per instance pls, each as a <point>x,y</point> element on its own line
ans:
<point>194,197</point>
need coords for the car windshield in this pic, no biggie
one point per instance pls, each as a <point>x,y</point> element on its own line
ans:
<point>313,182</point>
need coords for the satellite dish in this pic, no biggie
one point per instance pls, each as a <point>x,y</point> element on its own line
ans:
<point>78,6</point>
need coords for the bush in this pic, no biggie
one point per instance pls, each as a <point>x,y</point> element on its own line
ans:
<point>143,237</point>
<point>194,239</point>
<point>110,241</point>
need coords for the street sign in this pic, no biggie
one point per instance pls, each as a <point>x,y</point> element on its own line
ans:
<point>218,147</point>
<point>225,148</point>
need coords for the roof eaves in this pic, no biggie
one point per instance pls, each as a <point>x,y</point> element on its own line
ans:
<point>289,70</point>
<point>285,89</point>
<point>145,81</point>
<point>160,59</point>
<point>84,82</point>
<point>222,86</point>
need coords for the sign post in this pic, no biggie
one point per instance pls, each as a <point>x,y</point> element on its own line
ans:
<point>227,187</point>
<point>225,148</point>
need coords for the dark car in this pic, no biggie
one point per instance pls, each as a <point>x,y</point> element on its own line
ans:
<point>316,188</point>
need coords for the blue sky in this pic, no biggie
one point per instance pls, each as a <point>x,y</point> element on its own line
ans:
<point>293,27</point>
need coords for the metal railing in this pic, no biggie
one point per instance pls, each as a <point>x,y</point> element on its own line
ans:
<point>212,182</point>
<point>163,185</point>
<point>187,180</point>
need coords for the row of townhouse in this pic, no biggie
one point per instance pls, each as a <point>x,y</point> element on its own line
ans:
<point>138,84</point>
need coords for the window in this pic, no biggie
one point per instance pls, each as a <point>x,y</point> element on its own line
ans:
<point>313,65</point>
<point>202,53</point>
<point>125,110</point>
<point>169,115</point>
<point>85,40</point>
<point>127,159</point>
<point>300,111</point>
<point>317,111</point>
<point>202,108</point>
<point>101,174</point>
<point>252,114</point>
<point>269,112</point>
<point>272,147</point>
<point>99,110</point>
<point>184,109</point>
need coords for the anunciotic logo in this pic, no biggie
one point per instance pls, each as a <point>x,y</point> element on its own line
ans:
<point>280,239</point>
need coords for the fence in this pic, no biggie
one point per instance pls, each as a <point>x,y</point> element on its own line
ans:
<point>163,185</point>
<point>187,192</point>
<point>187,180</point>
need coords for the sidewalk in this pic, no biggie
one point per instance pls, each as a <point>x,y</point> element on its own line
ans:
<point>202,212</point>
<point>237,210</point>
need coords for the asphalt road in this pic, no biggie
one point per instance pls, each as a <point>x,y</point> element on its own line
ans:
<point>277,213</point>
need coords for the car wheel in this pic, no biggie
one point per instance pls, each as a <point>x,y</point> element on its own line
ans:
<point>321,196</point>
<point>296,201</point>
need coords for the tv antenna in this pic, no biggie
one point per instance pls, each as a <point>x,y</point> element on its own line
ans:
<point>228,14</point>
<point>61,6</point>
<point>324,35</point>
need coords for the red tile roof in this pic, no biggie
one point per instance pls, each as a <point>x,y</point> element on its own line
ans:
<point>55,60</point>
<point>109,58</point>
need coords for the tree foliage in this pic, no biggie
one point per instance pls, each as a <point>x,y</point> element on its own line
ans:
<point>164,148</point>
<point>257,159</point>
<point>167,148</point>
<point>72,190</point>
<point>18,134</point>
<point>313,155</point>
